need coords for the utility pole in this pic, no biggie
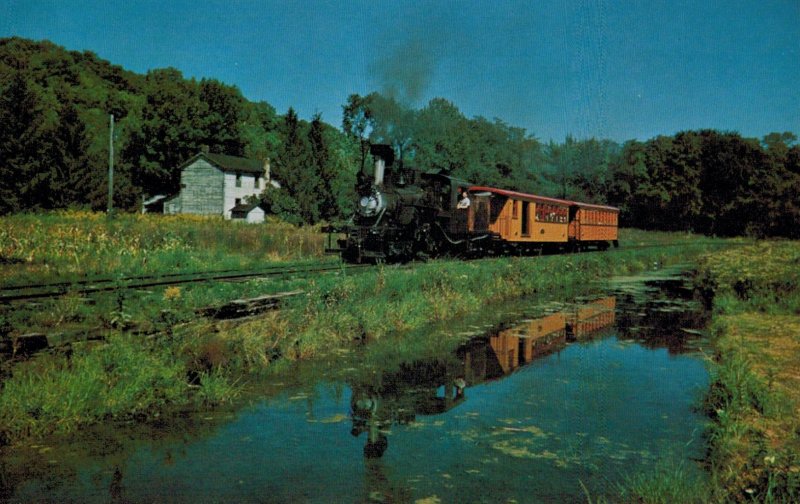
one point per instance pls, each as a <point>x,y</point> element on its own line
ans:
<point>111,165</point>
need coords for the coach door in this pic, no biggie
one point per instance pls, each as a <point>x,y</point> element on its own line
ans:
<point>574,223</point>
<point>479,217</point>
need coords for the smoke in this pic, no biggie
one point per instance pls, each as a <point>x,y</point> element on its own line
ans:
<point>406,71</point>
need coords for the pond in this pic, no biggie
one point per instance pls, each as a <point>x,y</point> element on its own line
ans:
<point>558,400</point>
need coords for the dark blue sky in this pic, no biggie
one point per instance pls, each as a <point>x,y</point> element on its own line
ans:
<point>609,69</point>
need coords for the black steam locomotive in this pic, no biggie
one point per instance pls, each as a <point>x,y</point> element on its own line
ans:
<point>404,214</point>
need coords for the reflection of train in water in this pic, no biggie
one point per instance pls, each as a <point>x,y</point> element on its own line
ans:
<point>519,345</point>
<point>434,387</point>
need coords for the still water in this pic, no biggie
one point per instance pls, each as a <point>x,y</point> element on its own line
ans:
<point>567,396</point>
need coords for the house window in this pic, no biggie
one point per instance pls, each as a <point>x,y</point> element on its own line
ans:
<point>513,209</point>
<point>257,182</point>
<point>238,180</point>
<point>238,201</point>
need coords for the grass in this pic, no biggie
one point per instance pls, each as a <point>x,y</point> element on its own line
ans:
<point>667,483</point>
<point>70,245</point>
<point>754,398</point>
<point>199,363</point>
<point>120,378</point>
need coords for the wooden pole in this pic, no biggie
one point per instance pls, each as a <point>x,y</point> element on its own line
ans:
<point>111,164</point>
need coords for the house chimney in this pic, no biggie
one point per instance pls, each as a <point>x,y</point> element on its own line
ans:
<point>266,171</point>
<point>204,149</point>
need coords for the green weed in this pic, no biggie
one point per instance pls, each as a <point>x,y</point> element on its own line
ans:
<point>666,484</point>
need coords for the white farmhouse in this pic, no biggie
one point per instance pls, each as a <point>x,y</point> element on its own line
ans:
<point>213,184</point>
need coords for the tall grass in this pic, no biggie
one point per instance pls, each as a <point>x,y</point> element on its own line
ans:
<point>669,482</point>
<point>120,378</point>
<point>71,244</point>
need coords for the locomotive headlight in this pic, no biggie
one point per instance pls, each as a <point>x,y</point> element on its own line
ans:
<point>370,205</point>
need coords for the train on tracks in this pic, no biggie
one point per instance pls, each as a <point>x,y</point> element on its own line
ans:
<point>405,214</point>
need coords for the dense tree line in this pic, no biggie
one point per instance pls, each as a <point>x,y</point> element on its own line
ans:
<point>54,108</point>
<point>54,126</point>
<point>710,182</point>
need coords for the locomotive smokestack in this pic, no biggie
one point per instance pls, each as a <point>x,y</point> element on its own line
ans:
<point>384,156</point>
<point>380,168</point>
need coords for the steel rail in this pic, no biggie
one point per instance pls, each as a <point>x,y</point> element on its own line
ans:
<point>61,288</point>
<point>107,279</point>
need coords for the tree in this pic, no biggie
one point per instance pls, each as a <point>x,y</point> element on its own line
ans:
<point>170,131</point>
<point>259,131</point>
<point>357,124</point>
<point>71,173</point>
<point>23,152</point>
<point>223,115</point>
<point>294,168</point>
<point>324,168</point>
<point>629,176</point>
<point>730,177</point>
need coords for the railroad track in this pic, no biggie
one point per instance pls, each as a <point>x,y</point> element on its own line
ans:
<point>96,285</point>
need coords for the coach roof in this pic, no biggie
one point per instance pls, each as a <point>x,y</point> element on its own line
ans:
<point>541,199</point>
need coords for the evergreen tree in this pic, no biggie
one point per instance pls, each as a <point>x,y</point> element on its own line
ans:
<point>23,154</point>
<point>324,168</point>
<point>72,177</point>
<point>294,168</point>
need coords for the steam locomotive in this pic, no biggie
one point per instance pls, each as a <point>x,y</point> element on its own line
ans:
<point>404,213</point>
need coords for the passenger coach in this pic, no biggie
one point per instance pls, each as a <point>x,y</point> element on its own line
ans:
<point>530,223</point>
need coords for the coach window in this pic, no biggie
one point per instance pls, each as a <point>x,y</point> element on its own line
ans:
<point>513,209</point>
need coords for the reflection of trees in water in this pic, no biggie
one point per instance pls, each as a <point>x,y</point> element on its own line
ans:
<point>105,449</point>
<point>438,385</point>
<point>669,321</point>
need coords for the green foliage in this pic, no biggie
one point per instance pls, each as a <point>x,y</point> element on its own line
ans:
<point>580,169</point>
<point>710,182</point>
<point>667,483</point>
<point>439,137</point>
<point>22,130</point>
<point>122,378</point>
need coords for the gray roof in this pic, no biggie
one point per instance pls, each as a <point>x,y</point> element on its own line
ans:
<point>228,163</point>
